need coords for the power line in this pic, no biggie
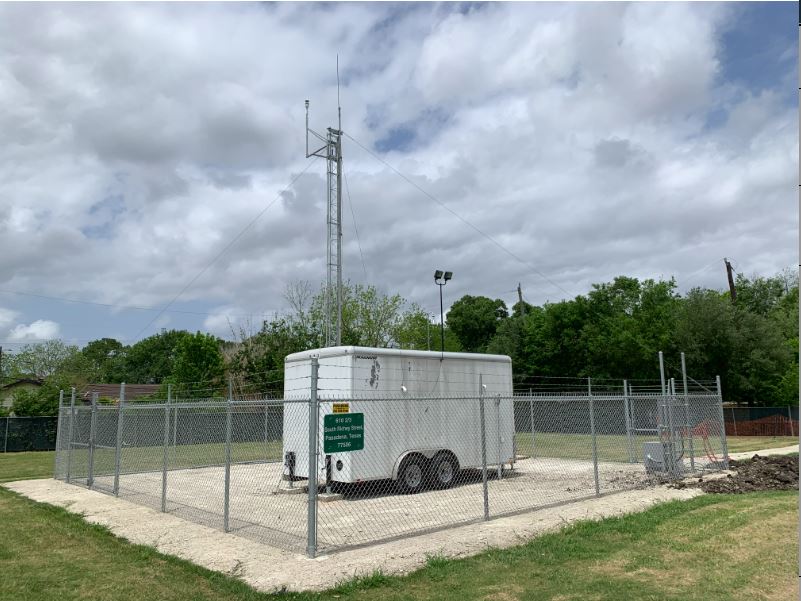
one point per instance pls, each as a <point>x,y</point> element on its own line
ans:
<point>35,340</point>
<point>125,307</point>
<point>458,216</point>
<point>699,271</point>
<point>474,227</point>
<point>355,229</point>
<point>224,250</point>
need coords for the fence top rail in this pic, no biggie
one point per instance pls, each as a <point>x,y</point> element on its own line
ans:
<point>218,404</point>
<point>328,397</point>
<point>558,394</point>
<point>30,416</point>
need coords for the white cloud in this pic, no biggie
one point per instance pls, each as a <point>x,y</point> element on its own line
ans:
<point>224,322</point>
<point>41,329</point>
<point>141,139</point>
<point>7,317</point>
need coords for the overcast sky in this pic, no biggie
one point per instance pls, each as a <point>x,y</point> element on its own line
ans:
<point>588,141</point>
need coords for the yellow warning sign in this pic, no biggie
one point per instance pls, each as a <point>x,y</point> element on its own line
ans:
<point>341,408</point>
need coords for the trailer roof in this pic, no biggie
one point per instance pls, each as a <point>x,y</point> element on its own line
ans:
<point>338,351</point>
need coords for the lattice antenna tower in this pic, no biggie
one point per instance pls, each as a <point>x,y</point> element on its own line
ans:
<point>331,151</point>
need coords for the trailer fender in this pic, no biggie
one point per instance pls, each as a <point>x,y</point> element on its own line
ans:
<point>427,453</point>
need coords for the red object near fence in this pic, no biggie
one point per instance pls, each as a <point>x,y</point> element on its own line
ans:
<point>771,425</point>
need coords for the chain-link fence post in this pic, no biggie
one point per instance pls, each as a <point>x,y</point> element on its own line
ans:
<point>482,421</point>
<point>674,464</point>
<point>174,419</point>
<point>531,418</point>
<point>90,478</point>
<point>594,439</point>
<point>118,449</point>
<point>267,428</point>
<point>59,433</point>
<point>68,475</point>
<point>5,438</point>
<point>498,415</point>
<point>227,496</point>
<point>733,420</point>
<point>165,458</point>
<point>790,415</point>
<point>311,516</point>
<point>722,425</point>
<point>627,413</point>
<point>671,401</point>
<point>687,416</point>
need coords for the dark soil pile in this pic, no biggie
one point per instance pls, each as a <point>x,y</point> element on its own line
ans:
<point>775,472</point>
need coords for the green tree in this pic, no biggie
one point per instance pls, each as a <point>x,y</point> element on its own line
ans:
<point>257,362</point>
<point>198,368</point>
<point>628,322</point>
<point>150,361</point>
<point>509,339</point>
<point>475,319</point>
<point>105,360</point>
<point>415,329</point>
<point>564,351</point>
<point>759,294</point>
<point>41,360</point>
<point>744,348</point>
<point>42,400</point>
<point>787,390</point>
<point>36,402</point>
<point>369,317</point>
<point>785,316</point>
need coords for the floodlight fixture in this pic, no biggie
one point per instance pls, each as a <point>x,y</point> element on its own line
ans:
<point>441,278</point>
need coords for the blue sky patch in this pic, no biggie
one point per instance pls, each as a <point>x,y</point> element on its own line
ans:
<point>761,48</point>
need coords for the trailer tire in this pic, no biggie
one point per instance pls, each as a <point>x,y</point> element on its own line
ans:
<point>444,470</point>
<point>411,474</point>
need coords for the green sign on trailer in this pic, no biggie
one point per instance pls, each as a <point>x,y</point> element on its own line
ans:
<point>343,432</point>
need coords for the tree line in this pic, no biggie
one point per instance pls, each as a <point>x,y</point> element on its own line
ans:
<point>613,331</point>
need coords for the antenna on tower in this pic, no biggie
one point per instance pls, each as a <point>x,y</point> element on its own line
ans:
<point>331,151</point>
<point>339,107</point>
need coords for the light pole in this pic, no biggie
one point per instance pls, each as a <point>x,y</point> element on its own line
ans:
<point>440,279</point>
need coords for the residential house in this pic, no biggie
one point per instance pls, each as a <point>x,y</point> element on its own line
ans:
<point>9,389</point>
<point>112,391</point>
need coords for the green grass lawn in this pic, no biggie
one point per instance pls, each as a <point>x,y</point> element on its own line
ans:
<point>741,444</point>
<point>143,459</point>
<point>613,447</point>
<point>39,464</point>
<point>738,547</point>
<point>25,466</point>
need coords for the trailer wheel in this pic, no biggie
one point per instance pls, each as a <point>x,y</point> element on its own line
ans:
<point>444,469</point>
<point>411,475</point>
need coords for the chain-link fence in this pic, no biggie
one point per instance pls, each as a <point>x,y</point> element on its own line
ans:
<point>384,466</point>
<point>761,421</point>
<point>27,434</point>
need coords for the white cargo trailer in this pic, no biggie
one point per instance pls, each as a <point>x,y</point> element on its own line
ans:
<point>421,414</point>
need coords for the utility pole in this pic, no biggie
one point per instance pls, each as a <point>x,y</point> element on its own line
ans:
<point>520,298</point>
<point>729,274</point>
<point>331,151</point>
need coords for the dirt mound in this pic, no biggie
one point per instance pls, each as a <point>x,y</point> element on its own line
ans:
<point>775,472</point>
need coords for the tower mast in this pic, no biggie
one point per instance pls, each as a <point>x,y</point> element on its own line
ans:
<point>331,151</point>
